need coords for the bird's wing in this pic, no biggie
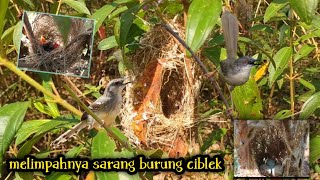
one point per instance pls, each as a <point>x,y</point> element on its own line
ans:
<point>230,32</point>
<point>101,103</point>
<point>65,136</point>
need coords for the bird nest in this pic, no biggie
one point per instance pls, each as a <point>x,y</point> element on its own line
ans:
<point>61,60</point>
<point>285,143</point>
<point>68,57</point>
<point>160,105</point>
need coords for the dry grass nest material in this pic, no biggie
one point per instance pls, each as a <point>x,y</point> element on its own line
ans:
<point>174,113</point>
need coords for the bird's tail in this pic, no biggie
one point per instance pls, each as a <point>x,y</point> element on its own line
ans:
<point>65,136</point>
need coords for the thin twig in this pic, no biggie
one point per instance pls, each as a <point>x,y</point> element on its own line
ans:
<point>75,88</point>
<point>292,78</point>
<point>59,6</point>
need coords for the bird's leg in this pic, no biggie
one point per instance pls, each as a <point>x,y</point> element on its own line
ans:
<point>230,88</point>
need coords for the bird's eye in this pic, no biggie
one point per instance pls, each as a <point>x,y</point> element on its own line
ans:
<point>118,83</point>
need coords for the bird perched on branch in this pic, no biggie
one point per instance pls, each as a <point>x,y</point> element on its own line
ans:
<point>107,107</point>
<point>234,72</point>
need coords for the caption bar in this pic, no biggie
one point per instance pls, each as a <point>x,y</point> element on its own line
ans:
<point>131,166</point>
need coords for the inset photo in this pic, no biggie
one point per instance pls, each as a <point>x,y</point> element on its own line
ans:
<point>271,148</point>
<point>56,44</point>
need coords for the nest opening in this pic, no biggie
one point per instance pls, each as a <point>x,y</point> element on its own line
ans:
<point>171,92</point>
<point>268,144</point>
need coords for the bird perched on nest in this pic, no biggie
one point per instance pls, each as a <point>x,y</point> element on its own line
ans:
<point>107,107</point>
<point>233,71</point>
<point>46,32</point>
<point>48,45</point>
<point>52,51</point>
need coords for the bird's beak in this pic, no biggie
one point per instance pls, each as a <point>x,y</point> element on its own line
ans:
<point>43,40</point>
<point>125,83</point>
<point>253,61</point>
<point>127,80</point>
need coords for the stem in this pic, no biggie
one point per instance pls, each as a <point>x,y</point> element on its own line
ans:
<point>59,6</point>
<point>270,99</point>
<point>291,75</point>
<point>5,62</point>
<point>104,125</point>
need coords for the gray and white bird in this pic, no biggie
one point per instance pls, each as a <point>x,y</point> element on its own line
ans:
<point>271,163</point>
<point>270,168</point>
<point>107,108</point>
<point>234,72</point>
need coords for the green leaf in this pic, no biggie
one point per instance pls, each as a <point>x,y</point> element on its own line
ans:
<point>42,108</point>
<point>118,11</point>
<point>310,34</point>
<point>304,97</point>
<point>281,59</point>
<point>314,149</point>
<point>247,101</point>
<point>213,138</point>
<point>307,84</point>
<point>305,9</point>
<point>28,128</point>
<point>304,52</point>
<point>103,147</point>
<point>216,41</point>
<point>171,8</point>
<point>203,15</point>
<point>55,123</point>
<point>124,175</point>
<point>101,14</point>
<point>23,175</point>
<point>74,152</point>
<point>43,154</point>
<point>282,115</point>
<point>3,10</point>
<point>17,35</point>
<point>11,118</point>
<point>38,127</point>
<point>126,20</point>
<point>7,34</point>
<point>317,168</point>
<point>59,176</point>
<point>27,146</point>
<point>108,43</point>
<point>283,34</point>
<point>52,106</point>
<point>153,153</point>
<point>78,6</point>
<point>261,27</point>
<point>26,4</point>
<point>273,8</point>
<point>316,21</point>
<point>213,54</point>
<point>310,106</point>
